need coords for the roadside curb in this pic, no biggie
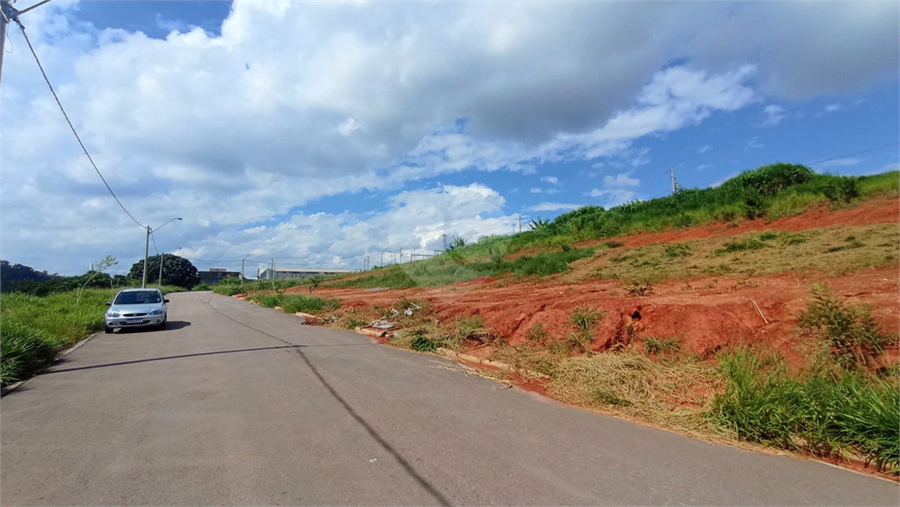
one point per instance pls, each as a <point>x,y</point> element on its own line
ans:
<point>8,389</point>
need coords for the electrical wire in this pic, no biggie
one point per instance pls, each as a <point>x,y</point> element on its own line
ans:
<point>36,59</point>
<point>895,143</point>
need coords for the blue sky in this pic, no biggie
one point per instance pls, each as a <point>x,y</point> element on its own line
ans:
<point>319,134</point>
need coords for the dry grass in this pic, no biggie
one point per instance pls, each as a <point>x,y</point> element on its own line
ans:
<point>833,250</point>
<point>674,392</point>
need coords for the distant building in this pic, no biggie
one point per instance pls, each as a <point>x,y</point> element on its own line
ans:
<point>282,273</point>
<point>214,275</point>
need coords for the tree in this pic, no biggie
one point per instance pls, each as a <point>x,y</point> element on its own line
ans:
<point>103,264</point>
<point>176,271</point>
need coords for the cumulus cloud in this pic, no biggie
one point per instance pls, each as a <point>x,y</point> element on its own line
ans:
<point>618,189</point>
<point>773,115</point>
<point>298,101</point>
<point>554,206</point>
<point>839,162</point>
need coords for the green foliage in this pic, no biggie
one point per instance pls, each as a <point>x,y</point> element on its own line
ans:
<point>771,179</point>
<point>584,319</point>
<point>25,349</point>
<point>457,242</point>
<point>654,345</point>
<point>423,344</point>
<point>201,287</point>
<point>175,271</point>
<point>823,411</point>
<point>56,321</point>
<point>537,334</point>
<point>740,246</point>
<point>442,271</point>
<point>678,250</point>
<point>292,303</point>
<point>852,335</point>
<point>845,190</point>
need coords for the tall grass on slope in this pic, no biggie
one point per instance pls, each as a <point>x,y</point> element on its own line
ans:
<point>444,271</point>
<point>34,329</point>
<point>25,349</point>
<point>822,412</point>
<point>295,303</point>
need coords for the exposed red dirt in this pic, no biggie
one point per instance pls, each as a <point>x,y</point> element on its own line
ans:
<point>706,314</point>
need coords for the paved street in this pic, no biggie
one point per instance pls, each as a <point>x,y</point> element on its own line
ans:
<point>236,404</point>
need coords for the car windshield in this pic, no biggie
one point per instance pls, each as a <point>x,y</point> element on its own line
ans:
<point>138,298</point>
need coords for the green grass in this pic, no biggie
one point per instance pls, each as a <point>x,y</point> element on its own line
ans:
<point>770,191</point>
<point>36,328</point>
<point>444,270</point>
<point>823,411</point>
<point>295,303</point>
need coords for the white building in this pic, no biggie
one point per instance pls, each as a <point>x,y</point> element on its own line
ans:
<point>282,273</point>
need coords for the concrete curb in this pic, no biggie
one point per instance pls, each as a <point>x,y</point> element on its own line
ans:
<point>8,389</point>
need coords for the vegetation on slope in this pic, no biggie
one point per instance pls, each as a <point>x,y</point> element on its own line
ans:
<point>771,191</point>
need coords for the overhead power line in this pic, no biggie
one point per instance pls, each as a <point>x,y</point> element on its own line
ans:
<point>867,150</point>
<point>47,80</point>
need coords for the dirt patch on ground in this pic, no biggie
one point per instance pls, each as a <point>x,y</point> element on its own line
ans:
<point>703,314</point>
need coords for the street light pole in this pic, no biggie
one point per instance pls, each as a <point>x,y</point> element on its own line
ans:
<point>162,256</point>
<point>147,251</point>
<point>9,13</point>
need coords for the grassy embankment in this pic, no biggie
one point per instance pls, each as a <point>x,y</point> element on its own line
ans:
<point>769,192</point>
<point>34,329</point>
<point>830,405</point>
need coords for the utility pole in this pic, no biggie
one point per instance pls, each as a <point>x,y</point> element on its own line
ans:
<point>382,259</point>
<point>162,256</point>
<point>675,186</point>
<point>242,269</point>
<point>9,13</point>
<point>445,242</point>
<point>146,253</point>
<point>520,223</point>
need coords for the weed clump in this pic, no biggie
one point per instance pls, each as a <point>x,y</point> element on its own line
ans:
<point>823,411</point>
<point>853,338</point>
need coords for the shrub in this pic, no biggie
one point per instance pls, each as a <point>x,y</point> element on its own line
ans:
<point>423,344</point>
<point>537,334</point>
<point>639,288</point>
<point>585,320</point>
<point>850,333</point>
<point>678,250</point>
<point>654,345</point>
<point>740,246</point>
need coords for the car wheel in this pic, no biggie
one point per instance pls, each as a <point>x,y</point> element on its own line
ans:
<point>162,326</point>
<point>108,330</point>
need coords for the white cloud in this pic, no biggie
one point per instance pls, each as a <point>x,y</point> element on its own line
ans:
<point>551,179</point>
<point>774,114</point>
<point>753,144</point>
<point>618,189</point>
<point>553,206</point>
<point>297,101</point>
<point>703,149</point>
<point>839,162</point>
<point>830,108</point>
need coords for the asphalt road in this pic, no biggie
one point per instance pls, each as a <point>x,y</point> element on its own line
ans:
<point>236,404</point>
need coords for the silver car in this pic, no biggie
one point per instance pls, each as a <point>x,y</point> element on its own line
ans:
<point>136,308</point>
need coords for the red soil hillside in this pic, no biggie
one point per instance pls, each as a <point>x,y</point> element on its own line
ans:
<point>704,313</point>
